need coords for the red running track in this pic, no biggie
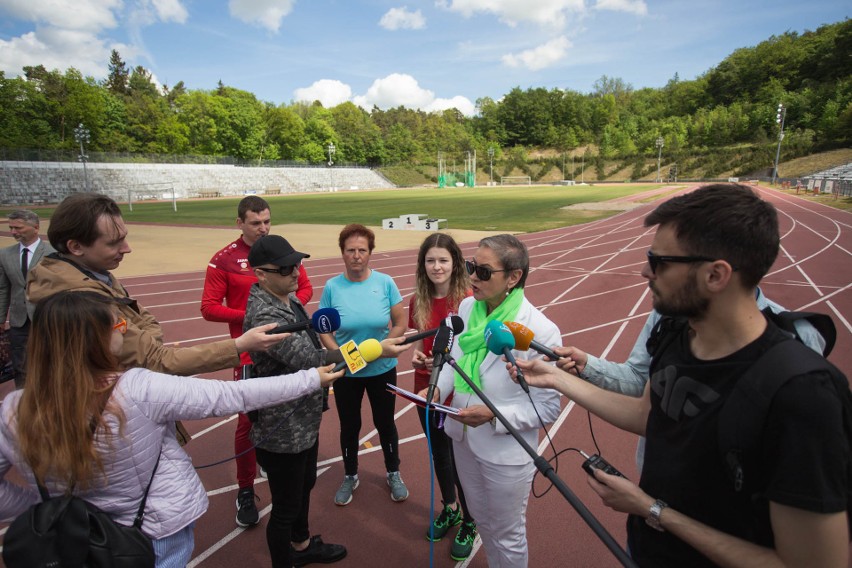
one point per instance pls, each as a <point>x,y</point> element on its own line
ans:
<point>586,279</point>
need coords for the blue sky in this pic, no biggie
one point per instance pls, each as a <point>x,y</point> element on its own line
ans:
<point>420,54</point>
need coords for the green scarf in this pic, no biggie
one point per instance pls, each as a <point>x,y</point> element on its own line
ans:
<point>472,341</point>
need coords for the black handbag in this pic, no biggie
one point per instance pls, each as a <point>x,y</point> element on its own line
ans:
<point>68,532</point>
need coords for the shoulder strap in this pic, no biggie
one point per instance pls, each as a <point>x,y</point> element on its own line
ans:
<point>663,335</point>
<point>743,415</point>
<point>821,322</point>
<point>140,513</point>
<point>302,315</point>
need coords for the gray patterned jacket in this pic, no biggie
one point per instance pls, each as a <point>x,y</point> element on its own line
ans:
<point>291,427</point>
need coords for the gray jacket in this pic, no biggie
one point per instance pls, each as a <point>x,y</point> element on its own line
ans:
<point>13,298</point>
<point>291,427</point>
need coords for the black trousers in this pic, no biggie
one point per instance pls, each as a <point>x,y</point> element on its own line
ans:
<point>348,394</point>
<point>18,346</point>
<point>291,479</point>
<point>445,465</point>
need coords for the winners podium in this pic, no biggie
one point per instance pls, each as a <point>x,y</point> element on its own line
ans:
<point>414,222</point>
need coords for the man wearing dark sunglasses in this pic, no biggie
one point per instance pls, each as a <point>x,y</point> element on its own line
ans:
<point>794,510</point>
<point>226,288</point>
<point>287,435</point>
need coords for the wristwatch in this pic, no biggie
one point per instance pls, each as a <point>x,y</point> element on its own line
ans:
<point>653,518</point>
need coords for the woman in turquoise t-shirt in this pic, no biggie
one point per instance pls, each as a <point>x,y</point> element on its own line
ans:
<point>370,306</point>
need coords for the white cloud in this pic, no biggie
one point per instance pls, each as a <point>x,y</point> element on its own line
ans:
<point>540,57</point>
<point>402,18</point>
<point>93,15</point>
<point>73,34</point>
<point>170,11</point>
<point>55,49</point>
<point>463,104</point>
<point>265,13</point>
<point>638,7</point>
<point>547,13</point>
<point>329,92</point>
<point>399,89</point>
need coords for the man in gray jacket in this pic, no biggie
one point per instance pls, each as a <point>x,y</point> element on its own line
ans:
<point>287,436</point>
<point>15,264</point>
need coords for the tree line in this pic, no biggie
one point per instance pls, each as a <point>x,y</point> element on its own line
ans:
<point>731,106</point>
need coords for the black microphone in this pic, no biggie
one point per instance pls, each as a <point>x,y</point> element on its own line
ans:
<point>440,349</point>
<point>455,323</point>
<point>324,320</point>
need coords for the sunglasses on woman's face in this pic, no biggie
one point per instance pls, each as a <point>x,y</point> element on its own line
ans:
<point>282,270</point>
<point>482,272</point>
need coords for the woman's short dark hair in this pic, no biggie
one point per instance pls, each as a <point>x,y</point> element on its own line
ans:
<point>512,253</point>
<point>356,230</point>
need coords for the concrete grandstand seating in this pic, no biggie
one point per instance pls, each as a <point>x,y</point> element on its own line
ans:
<point>50,182</point>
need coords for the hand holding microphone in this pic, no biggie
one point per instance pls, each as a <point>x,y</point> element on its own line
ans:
<point>524,340</point>
<point>324,320</point>
<point>500,341</point>
<point>455,323</point>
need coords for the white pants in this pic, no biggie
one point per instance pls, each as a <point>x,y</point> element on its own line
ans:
<point>497,497</point>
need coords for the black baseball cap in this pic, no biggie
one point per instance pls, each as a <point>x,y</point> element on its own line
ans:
<point>274,249</point>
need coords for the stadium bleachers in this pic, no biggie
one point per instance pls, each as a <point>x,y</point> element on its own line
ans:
<point>837,180</point>
<point>50,182</point>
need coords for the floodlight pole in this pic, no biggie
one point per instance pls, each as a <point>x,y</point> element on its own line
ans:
<point>331,151</point>
<point>491,165</point>
<point>82,136</point>
<point>659,143</point>
<point>779,119</point>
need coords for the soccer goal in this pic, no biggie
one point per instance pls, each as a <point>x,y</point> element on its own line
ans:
<point>515,180</point>
<point>160,191</point>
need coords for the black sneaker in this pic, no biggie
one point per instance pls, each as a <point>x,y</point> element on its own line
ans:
<point>247,515</point>
<point>318,552</point>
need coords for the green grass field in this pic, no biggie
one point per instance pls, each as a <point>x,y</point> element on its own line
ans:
<point>513,209</point>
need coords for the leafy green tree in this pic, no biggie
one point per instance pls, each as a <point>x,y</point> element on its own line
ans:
<point>286,130</point>
<point>116,81</point>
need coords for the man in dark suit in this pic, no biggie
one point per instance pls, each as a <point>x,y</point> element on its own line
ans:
<point>15,263</point>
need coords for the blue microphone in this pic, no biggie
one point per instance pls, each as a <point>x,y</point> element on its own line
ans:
<point>324,320</point>
<point>500,341</point>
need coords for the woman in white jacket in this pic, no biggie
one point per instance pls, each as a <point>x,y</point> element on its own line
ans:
<point>83,425</point>
<point>495,471</point>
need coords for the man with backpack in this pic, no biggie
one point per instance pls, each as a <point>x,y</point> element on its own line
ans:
<point>703,499</point>
<point>630,377</point>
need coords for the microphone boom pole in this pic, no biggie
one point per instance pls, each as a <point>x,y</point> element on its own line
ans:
<point>547,470</point>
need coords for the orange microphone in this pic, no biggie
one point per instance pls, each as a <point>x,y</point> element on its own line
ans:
<point>524,340</point>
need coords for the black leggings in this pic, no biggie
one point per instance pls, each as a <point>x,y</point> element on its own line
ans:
<point>445,465</point>
<point>291,478</point>
<point>348,394</point>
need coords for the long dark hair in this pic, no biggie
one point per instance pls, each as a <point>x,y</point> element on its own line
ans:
<point>69,364</point>
<point>424,288</point>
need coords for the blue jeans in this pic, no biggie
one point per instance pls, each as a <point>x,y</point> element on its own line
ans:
<point>175,551</point>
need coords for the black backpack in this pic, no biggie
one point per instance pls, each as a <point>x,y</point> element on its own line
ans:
<point>69,532</point>
<point>743,414</point>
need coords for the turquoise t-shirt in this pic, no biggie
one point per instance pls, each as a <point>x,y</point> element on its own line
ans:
<point>364,309</point>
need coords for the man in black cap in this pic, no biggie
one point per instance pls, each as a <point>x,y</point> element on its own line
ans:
<point>287,436</point>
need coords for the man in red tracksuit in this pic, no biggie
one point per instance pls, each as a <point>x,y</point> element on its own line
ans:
<point>226,289</point>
